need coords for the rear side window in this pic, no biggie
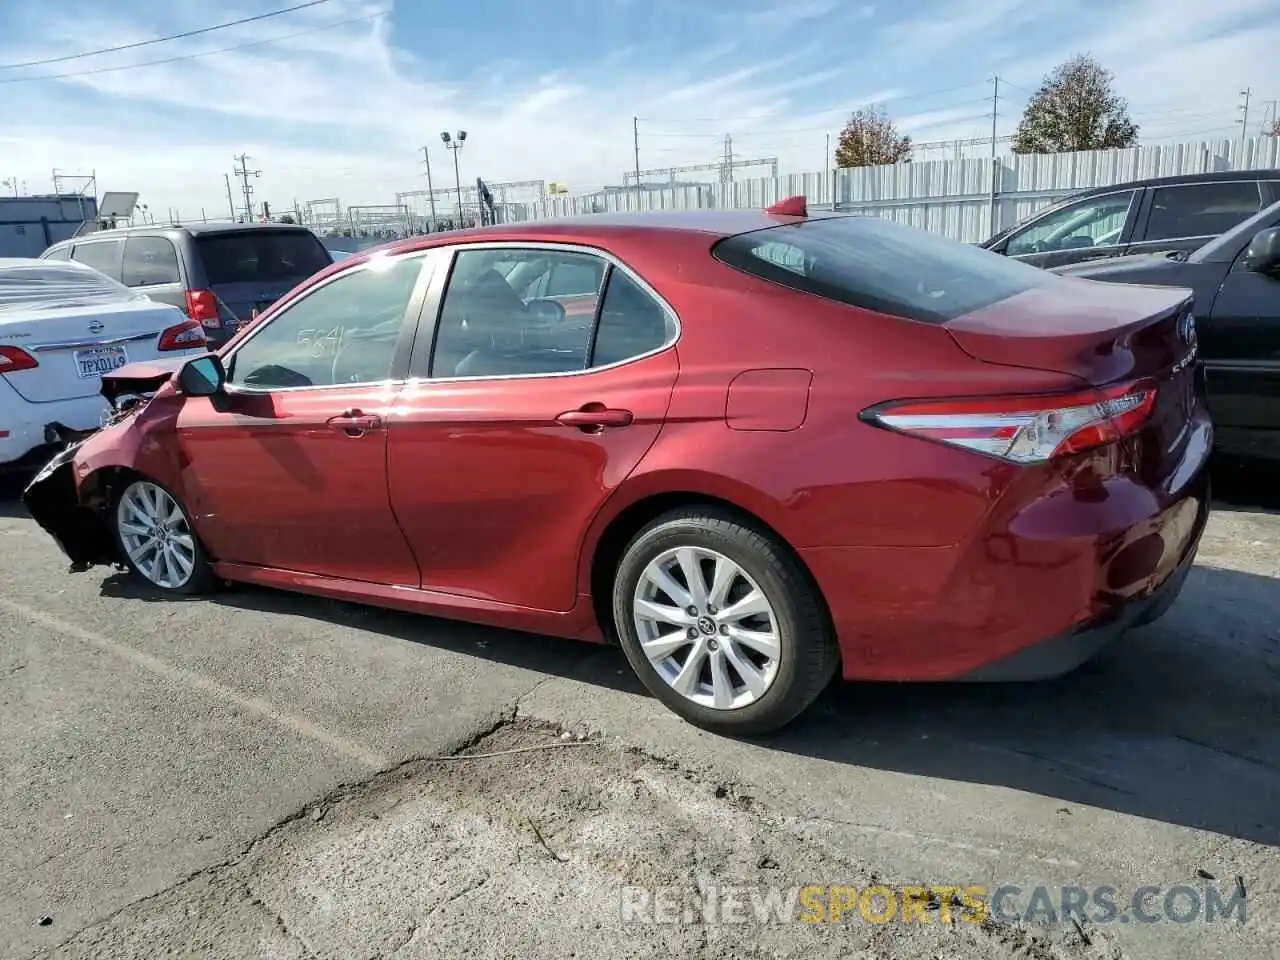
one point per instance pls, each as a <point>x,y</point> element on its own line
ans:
<point>149,261</point>
<point>103,256</point>
<point>1202,209</point>
<point>261,256</point>
<point>61,253</point>
<point>879,265</point>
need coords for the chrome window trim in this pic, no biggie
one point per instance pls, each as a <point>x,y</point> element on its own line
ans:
<point>553,247</point>
<point>423,278</point>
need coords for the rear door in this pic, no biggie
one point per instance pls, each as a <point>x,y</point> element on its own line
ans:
<point>103,255</point>
<point>1240,340</point>
<point>252,268</point>
<point>514,430</point>
<point>151,266</point>
<point>1187,216</point>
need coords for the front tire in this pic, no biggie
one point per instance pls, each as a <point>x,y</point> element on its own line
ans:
<point>722,623</point>
<point>158,541</point>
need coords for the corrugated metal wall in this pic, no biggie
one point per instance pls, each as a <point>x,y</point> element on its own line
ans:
<point>966,200</point>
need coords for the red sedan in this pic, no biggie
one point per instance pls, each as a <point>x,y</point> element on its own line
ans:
<point>754,448</point>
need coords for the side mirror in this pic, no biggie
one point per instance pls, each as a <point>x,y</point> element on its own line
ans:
<point>202,377</point>
<point>1263,253</point>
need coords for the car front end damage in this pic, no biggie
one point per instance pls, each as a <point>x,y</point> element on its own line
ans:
<point>75,517</point>
<point>53,500</point>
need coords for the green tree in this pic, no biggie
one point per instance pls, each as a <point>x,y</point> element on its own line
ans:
<point>1075,109</point>
<point>870,139</point>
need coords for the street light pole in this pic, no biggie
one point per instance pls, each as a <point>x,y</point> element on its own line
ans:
<point>454,143</point>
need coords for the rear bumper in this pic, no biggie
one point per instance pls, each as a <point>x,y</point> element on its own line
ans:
<point>37,430</point>
<point>1059,567</point>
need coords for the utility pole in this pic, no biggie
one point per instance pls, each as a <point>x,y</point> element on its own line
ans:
<point>431,194</point>
<point>231,204</point>
<point>726,171</point>
<point>244,173</point>
<point>995,169</point>
<point>635,142</point>
<point>1244,124</point>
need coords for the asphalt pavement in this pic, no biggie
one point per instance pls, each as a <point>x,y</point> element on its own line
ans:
<point>258,774</point>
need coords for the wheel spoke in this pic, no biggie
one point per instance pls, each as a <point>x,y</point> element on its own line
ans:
<point>185,541</point>
<point>687,557</point>
<point>764,642</point>
<point>662,613</point>
<point>721,685</point>
<point>659,648</point>
<point>726,572</point>
<point>687,679</point>
<point>668,585</point>
<point>752,678</point>
<point>131,529</point>
<point>178,562</point>
<point>752,605</point>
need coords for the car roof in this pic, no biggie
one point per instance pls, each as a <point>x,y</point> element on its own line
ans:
<point>1182,179</point>
<point>603,228</point>
<point>195,229</point>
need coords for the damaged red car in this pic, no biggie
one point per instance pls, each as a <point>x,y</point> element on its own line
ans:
<point>759,450</point>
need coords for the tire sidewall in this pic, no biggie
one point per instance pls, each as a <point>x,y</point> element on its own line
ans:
<point>760,566</point>
<point>201,574</point>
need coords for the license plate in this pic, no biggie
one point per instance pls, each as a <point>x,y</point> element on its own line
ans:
<point>98,361</point>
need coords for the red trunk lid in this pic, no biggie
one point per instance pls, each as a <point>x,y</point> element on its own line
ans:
<point>1100,332</point>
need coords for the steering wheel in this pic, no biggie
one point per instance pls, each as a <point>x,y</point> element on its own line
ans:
<point>546,311</point>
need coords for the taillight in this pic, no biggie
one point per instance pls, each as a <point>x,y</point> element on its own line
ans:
<point>183,336</point>
<point>13,359</point>
<point>1025,429</point>
<point>202,306</point>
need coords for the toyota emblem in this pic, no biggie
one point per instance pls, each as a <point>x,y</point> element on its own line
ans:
<point>1187,329</point>
<point>96,326</point>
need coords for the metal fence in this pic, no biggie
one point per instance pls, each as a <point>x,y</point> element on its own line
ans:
<point>967,200</point>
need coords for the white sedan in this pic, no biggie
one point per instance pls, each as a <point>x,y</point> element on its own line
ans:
<point>62,326</point>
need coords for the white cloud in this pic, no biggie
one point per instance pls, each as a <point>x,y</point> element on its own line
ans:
<point>345,111</point>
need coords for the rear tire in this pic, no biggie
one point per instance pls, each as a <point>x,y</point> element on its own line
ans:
<point>743,651</point>
<point>157,540</point>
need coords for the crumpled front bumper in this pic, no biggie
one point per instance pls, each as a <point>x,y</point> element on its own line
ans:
<point>80,531</point>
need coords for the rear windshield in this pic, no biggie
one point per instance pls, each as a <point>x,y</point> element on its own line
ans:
<point>880,265</point>
<point>258,256</point>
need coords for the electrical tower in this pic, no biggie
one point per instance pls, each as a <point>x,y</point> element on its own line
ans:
<point>726,171</point>
<point>722,165</point>
<point>244,173</point>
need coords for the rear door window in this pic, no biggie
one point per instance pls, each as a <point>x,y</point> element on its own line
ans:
<point>879,265</point>
<point>61,253</point>
<point>149,261</point>
<point>1201,209</point>
<point>261,256</point>
<point>103,256</point>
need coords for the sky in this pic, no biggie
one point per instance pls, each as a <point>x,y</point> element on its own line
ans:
<point>338,100</point>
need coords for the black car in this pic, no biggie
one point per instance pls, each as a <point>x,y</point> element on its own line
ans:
<point>219,273</point>
<point>1236,282</point>
<point>1144,216</point>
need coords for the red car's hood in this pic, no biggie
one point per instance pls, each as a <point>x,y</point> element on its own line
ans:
<point>142,377</point>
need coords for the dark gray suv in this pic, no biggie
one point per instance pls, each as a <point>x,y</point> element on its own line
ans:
<point>219,273</point>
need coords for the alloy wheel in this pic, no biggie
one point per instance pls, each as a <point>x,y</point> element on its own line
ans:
<point>156,535</point>
<point>707,628</point>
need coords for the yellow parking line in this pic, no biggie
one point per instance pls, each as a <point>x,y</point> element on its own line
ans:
<point>293,722</point>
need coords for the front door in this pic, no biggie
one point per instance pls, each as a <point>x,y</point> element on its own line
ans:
<point>288,468</point>
<point>510,438</point>
<point>1240,343</point>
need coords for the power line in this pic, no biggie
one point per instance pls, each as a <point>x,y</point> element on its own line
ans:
<point>196,56</point>
<point>174,36</point>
